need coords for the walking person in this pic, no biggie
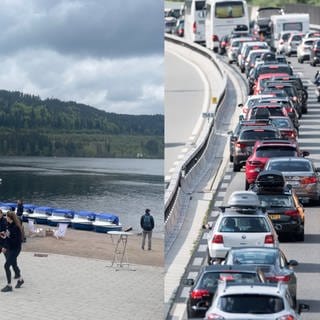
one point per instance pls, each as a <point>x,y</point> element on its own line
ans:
<point>147,225</point>
<point>11,249</point>
<point>19,212</point>
<point>3,228</point>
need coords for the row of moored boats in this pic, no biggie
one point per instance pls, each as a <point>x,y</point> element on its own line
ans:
<point>82,220</point>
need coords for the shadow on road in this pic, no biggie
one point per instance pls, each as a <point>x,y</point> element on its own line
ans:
<point>314,305</point>
<point>307,267</point>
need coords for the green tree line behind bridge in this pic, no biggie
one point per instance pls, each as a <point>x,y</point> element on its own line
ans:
<point>30,126</point>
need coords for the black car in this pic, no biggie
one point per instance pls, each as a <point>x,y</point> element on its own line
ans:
<point>272,262</point>
<point>315,53</point>
<point>281,203</point>
<point>205,285</point>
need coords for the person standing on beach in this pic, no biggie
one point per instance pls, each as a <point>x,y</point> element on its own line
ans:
<point>11,249</point>
<point>19,212</point>
<point>147,225</point>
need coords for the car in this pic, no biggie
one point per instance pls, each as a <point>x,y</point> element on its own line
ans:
<point>262,79</point>
<point>234,46</point>
<point>235,133</point>
<point>179,29</point>
<point>251,59</point>
<point>263,151</point>
<point>291,45</point>
<point>304,49</point>
<point>301,174</point>
<point>285,126</point>
<point>283,38</point>
<point>246,140</point>
<point>246,50</point>
<point>315,53</point>
<point>204,286</point>
<point>169,24</point>
<point>259,301</point>
<point>272,261</point>
<point>252,101</point>
<point>281,204</point>
<point>241,223</point>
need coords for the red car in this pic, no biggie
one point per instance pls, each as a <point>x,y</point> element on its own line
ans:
<point>264,150</point>
<point>263,79</point>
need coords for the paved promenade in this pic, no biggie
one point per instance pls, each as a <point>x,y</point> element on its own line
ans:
<point>72,288</point>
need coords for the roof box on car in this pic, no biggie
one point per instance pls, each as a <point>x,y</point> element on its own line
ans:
<point>244,199</point>
<point>270,179</point>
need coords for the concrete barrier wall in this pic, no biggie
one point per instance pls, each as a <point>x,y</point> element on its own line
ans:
<point>184,182</point>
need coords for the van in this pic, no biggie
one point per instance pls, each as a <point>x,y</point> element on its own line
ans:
<point>288,22</point>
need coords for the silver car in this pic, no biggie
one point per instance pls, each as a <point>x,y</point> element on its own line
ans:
<point>259,301</point>
<point>300,173</point>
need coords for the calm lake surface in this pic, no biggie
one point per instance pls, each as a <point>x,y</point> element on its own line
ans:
<point>124,187</point>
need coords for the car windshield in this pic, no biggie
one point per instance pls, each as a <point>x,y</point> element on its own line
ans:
<point>275,151</point>
<point>244,224</point>
<point>251,303</point>
<point>254,257</point>
<point>257,135</point>
<point>290,166</point>
<point>273,200</point>
<point>281,122</point>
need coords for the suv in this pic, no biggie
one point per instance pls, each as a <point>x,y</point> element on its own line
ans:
<point>263,150</point>
<point>241,224</point>
<point>205,285</point>
<point>258,301</point>
<point>291,45</point>
<point>246,140</point>
<point>281,203</point>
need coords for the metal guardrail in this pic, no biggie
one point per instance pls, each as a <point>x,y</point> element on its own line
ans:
<point>184,176</point>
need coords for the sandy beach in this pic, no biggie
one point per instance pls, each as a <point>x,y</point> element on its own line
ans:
<point>94,245</point>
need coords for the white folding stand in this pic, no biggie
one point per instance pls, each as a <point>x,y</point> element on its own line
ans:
<point>120,257</point>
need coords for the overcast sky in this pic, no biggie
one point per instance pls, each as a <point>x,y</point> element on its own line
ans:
<point>104,53</point>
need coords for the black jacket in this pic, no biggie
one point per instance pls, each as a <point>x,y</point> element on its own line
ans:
<point>19,209</point>
<point>143,223</point>
<point>14,239</point>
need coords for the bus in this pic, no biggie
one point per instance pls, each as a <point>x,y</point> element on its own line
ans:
<point>194,20</point>
<point>224,17</point>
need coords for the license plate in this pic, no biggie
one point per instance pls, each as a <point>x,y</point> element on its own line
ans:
<point>274,216</point>
<point>294,183</point>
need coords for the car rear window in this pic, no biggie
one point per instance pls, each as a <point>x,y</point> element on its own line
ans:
<point>297,37</point>
<point>244,224</point>
<point>290,166</point>
<point>257,134</point>
<point>275,151</point>
<point>254,257</point>
<point>276,201</point>
<point>251,303</point>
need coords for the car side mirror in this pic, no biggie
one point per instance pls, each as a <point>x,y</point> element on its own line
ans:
<point>293,263</point>
<point>240,105</point>
<point>188,282</point>
<point>305,153</point>
<point>207,226</point>
<point>241,117</point>
<point>288,62</point>
<point>303,307</point>
<point>317,169</point>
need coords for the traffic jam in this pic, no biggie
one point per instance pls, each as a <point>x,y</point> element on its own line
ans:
<point>247,273</point>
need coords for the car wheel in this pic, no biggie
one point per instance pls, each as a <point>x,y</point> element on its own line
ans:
<point>191,313</point>
<point>231,158</point>
<point>209,259</point>
<point>247,185</point>
<point>312,64</point>
<point>304,110</point>
<point>289,54</point>
<point>294,300</point>
<point>236,167</point>
<point>299,60</point>
<point>300,235</point>
<point>318,99</point>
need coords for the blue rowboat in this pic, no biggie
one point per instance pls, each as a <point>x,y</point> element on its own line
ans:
<point>60,216</point>
<point>40,214</point>
<point>105,222</point>
<point>83,220</point>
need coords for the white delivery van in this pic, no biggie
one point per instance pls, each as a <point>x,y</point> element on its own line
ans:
<point>288,22</point>
<point>194,20</point>
<point>223,17</point>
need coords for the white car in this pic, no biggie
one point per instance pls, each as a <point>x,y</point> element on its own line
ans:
<point>304,49</point>
<point>253,301</point>
<point>233,48</point>
<point>241,224</point>
<point>283,38</point>
<point>290,47</point>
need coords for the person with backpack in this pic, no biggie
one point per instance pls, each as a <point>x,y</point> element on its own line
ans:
<point>147,225</point>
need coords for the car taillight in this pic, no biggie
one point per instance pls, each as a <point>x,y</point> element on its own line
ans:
<point>287,317</point>
<point>217,238</point>
<point>214,316</point>
<point>194,27</point>
<point>292,213</point>
<point>269,239</point>
<point>199,293</point>
<point>309,180</point>
<point>240,145</point>
<point>289,109</point>
<point>278,278</point>
<point>215,37</point>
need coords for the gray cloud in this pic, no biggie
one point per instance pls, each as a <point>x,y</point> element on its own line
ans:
<point>107,54</point>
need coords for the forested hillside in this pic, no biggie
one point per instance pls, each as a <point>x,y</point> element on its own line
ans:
<point>31,126</point>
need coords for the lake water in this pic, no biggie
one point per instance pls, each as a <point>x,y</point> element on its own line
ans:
<point>125,187</point>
